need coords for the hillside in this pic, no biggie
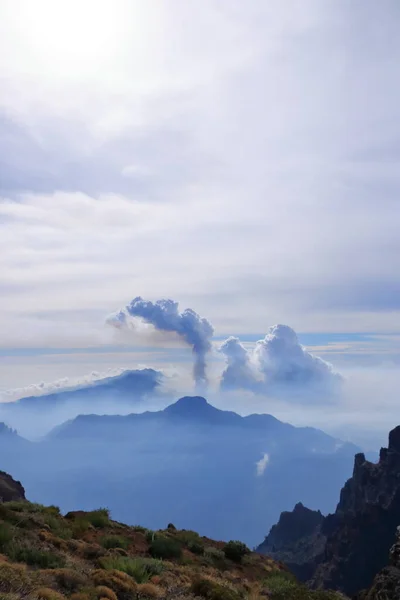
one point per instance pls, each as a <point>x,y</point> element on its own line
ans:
<point>87,556</point>
<point>345,550</point>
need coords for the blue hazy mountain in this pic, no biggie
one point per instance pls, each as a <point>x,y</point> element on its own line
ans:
<point>202,468</point>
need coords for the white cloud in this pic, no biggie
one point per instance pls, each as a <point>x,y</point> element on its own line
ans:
<point>241,159</point>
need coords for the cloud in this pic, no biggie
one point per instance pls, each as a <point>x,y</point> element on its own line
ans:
<point>276,363</point>
<point>164,315</point>
<point>261,465</point>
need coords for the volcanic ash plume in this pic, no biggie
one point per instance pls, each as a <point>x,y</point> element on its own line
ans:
<point>164,315</point>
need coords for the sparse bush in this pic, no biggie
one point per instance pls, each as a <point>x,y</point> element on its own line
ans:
<point>235,550</point>
<point>99,518</point>
<point>163,547</point>
<point>103,591</point>
<point>283,586</point>
<point>121,583</point>
<point>47,594</point>
<point>80,527</point>
<point>151,535</point>
<point>141,569</point>
<point>214,554</point>
<point>212,590</point>
<point>68,579</point>
<point>14,579</point>
<point>114,541</point>
<point>91,551</point>
<point>186,536</point>
<point>149,590</point>
<point>196,548</point>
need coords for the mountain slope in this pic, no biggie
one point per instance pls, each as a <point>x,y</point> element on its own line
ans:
<point>88,556</point>
<point>346,549</point>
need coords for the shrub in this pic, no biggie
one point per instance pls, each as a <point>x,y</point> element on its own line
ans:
<point>68,579</point>
<point>6,535</point>
<point>186,536</point>
<point>141,569</point>
<point>99,518</point>
<point>91,551</point>
<point>80,527</point>
<point>215,555</point>
<point>14,579</point>
<point>151,535</point>
<point>114,541</point>
<point>196,548</point>
<point>212,590</point>
<point>47,594</point>
<point>281,586</point>
<point>235,550</point>
<point>123,585</point>
<point>35,557</point>
<point>103,591</point>
<point>149,590</point>
<point>163,547</point>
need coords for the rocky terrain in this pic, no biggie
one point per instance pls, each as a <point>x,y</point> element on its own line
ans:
<point>345,550</point>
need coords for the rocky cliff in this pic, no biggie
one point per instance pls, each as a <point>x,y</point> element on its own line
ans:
<point>10,489</point>
<point>386,585</point>
<point>345,550</point>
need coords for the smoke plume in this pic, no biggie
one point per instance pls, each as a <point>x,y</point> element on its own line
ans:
<point>164,315</point>
<point>278,361</point>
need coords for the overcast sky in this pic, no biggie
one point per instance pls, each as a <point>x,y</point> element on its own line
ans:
<point>239,157</point>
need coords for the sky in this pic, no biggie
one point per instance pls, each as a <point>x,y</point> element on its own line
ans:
<point>240,158</point>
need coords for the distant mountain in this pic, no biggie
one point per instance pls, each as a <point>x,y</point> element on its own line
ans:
<point>346,549</point>
<point>205,469</point>
<point>111,395</point>
<point>128,385</point>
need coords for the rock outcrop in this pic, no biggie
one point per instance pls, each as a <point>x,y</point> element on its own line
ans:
<point>386,585</point>
<point>297,535</point>
<point>347,549</point>
<point>10,489</point>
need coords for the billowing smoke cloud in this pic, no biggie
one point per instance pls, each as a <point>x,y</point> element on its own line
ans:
<point>239,372</point>
<point>277,362</point>
<point>164,315</point>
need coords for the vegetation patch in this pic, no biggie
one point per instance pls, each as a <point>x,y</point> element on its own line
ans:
<point>235,550</point>
<point>141,569</point>
<point>114,541</point>
<point>164,547</point>
<point>211,590</point>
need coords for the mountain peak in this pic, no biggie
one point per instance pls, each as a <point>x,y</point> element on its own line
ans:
<point>190,406</point>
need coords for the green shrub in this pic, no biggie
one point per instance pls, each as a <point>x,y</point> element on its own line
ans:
<point>141,569</point>
<point>163,547</point>
<point>212,590</point>
<point>79,527</point>
<point>196,547</point>
<point>151,535</point>
<point>235,550</point>
<point>114,541</point>
<point>186,536</point>
<point>215,555</point>
<point>282,586</point>
<point>99,518</point>
<point>32,507</point>
<point>35,557</point>
<point>69,580</point>
<point>6,535</point>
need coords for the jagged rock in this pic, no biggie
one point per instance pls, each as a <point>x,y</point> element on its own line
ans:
<point>386,585</point>
<point>351,545</point>
<point>298,534</point>
<point>10,489</point>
